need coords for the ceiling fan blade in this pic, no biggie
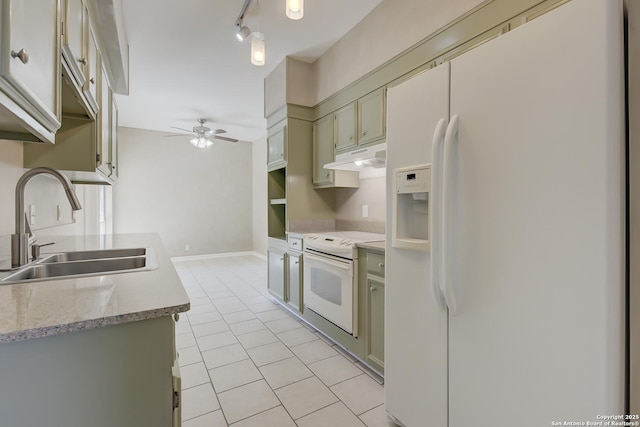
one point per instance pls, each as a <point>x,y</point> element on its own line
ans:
<point>177,134</point>
<point>186,130</point>
<point>219,131</point>
<point>224,138</point>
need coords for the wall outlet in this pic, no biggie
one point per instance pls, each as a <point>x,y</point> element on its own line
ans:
<point>365,211</point>
<point>187,247</point>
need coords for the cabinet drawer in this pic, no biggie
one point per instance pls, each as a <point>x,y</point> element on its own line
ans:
<point>294,243</point>
<point>375,263</point>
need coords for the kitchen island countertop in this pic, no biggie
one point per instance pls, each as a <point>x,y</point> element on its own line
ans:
<point>45,308</point>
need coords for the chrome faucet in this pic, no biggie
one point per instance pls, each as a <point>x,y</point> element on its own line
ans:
<point>20,240</point>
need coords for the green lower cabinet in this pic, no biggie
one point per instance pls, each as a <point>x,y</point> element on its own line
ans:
<point>295,281</point>
<point>374,348</point>
<point>276,264</point>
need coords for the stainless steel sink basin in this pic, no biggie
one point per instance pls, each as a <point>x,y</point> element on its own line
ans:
<point>97,254</point>
<point>85,263</point>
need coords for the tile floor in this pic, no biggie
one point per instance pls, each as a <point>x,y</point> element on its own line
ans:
<point>246,362</point>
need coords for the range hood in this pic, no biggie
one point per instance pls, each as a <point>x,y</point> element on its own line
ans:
<point>361,159</point>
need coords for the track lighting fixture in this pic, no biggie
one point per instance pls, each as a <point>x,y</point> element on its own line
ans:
<point>295,9</point>
<point>242,33</point>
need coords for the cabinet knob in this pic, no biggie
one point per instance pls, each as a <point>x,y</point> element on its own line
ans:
<point>281,258</point>
<point>380,265</point>
<point>22,54</point>
<point>297,262</point>
<point>328,174</point>
<point>364,132</point>
<point>372,289</point>
<point>92,81</point>
<point>295,243</point>
<point>83,61</point>
<point>351,138</point>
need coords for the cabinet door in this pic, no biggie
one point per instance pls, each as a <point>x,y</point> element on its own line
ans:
<point>276,259</point>
<point>345,128</point>
<point>30,55</point>
<point>92,70</point>
<point>113,147</point>
<point>375,322</point>
<point>104,125</point>
<point>276,146</point>
<point>323,150</point>
<point>74,40</point>
<point>371,117</point>
<point>295,281</point>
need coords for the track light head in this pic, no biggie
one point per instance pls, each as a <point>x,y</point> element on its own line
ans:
<point>242,33</point>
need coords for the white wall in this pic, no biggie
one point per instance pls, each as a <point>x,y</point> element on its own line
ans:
<point>188,195</point>
<point>389,29</point>
<point>259,195</point>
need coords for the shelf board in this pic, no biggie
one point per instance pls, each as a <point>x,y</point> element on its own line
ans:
<point>282,201</point>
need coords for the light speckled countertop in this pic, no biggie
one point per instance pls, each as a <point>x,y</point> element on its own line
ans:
<point>40,309</point>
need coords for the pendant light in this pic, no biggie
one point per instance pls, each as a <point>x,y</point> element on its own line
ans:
<point>295,9</point>
<point>257,49</point>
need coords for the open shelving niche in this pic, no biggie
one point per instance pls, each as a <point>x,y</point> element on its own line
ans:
<point>277,211</point>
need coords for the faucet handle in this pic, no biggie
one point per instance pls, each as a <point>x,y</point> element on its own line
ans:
<point>35,250</point>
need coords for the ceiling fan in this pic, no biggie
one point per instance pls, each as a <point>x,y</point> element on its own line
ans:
<point>203,135</point>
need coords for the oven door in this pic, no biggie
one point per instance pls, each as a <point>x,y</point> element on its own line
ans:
<point>329,290</point>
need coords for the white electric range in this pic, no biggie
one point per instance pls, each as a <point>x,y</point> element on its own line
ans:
<point>330,270</point>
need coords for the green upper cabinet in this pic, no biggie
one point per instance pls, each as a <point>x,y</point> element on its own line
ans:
<point>30,65</point>
<point>92,70</point>
<point>322,150</point>
<point>371,117</point>
<point>345,128</point>
<point>104,125</point>
<point>361,123</point>
<point>277,148</point>
<point>323,153</point>
<point>74,41</point>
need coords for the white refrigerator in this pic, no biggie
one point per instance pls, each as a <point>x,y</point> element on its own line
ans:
<point>516,315</point>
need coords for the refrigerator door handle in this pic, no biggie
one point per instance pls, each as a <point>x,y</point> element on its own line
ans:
<point>436,201</point>
<point>447,214</point>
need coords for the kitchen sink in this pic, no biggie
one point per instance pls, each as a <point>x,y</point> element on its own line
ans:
<point>84,263</point>
<point>95,254</point>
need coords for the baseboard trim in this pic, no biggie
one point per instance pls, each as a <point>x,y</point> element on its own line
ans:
<point>220,255</point>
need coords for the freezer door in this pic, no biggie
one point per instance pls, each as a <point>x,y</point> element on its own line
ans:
<point>536,256</point>
<point>416,326</point>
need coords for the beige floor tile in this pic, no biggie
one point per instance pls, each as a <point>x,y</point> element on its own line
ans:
<point>377,417</point>
<point>285,372</point>
<point>238,316</point>
<point>198,401</point>
<point>247,326</point>
<point>369,371</point>
<point>234,375</point>
<point>185,340</point>
<point>263,306</point>
<point>231,308</point>
<point>334,369</point>
<point>183,328</point>
<point>313,351</point>
<point>345,353</point>
<point>297,336</point>
<point>215,294</point>
<point>247,400</point>
<point>276,417</point>
<point>306,396</point>
<point>360,394</point>
<point>283,325</point>
<point>193,375</point>
<point>189,355</point>
<point>209,328</point>
<point>257,338</point>
<point>269,353</point>
<point>212,419</point>
<point>258,299</point>
<point>200,318</point>
<point>209,342</point>
<point>224,355</point>
<point>201,309</point>
<point>331,416</point>
<point>268,316</point>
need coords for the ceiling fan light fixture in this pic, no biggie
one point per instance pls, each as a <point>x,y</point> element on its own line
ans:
<point>257,49</point>
<point>242,33</point>
<point>295,9</point>
<point>201,142</point>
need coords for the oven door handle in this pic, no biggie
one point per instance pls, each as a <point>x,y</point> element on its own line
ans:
<point>346,265</point>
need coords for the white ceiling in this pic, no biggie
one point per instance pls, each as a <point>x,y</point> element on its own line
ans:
<point>185,62</point>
